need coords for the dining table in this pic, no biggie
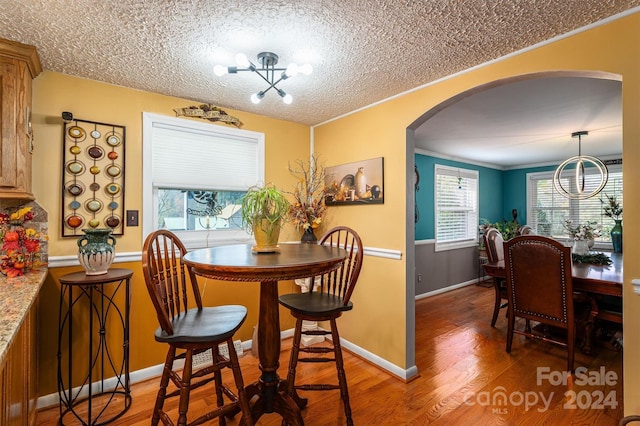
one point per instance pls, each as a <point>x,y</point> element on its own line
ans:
<point>240,263</point>
<point>595,281</point>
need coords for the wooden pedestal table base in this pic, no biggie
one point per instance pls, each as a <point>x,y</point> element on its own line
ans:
<point>238,263</point>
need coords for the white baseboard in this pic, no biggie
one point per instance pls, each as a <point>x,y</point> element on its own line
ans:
<point>446,289</point>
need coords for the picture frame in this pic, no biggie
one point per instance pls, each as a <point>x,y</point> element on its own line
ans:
<point>357,183</point>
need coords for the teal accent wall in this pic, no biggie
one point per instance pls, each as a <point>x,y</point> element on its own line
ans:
<point>500,192</point>
<point>490,197</point>
<point>515,191</point>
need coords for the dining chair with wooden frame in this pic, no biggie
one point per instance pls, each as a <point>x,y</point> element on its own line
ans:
<point>494,243</point>
<point>540,288</point>
<point>325,303</point>
<point>525,230</point>
<point>190,331</point>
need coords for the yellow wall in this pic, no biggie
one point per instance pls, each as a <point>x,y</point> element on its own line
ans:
<point>380,131</point>
<point>91,100</point>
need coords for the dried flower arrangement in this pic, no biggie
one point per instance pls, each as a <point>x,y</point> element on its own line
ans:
<point>308,208</point>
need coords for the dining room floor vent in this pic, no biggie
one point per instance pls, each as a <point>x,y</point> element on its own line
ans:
<point>205,357</point>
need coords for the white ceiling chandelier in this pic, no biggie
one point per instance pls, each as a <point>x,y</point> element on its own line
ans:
<point>268,60</point>
<point>581,190</point>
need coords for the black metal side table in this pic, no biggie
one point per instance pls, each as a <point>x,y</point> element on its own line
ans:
<point>103,394</point>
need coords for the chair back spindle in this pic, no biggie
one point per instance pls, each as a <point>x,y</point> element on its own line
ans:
<point>169,278</point>
<point>341,282</point>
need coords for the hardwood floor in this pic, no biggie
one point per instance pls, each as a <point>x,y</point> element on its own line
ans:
<point>464,372</point>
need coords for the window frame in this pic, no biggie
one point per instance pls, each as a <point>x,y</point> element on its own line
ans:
<point>574,204</point>
<point>472,237</point>
<point>192,239</point>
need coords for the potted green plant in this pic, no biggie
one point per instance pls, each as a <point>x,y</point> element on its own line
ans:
<point>264,209</point>
<point>508,228</point>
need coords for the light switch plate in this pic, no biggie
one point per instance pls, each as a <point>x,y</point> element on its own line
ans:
<point>132,217</point>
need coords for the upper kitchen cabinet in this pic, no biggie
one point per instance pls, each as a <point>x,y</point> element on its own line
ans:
<point>19,65</point>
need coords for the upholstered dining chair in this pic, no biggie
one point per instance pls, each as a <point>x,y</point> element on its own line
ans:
<point>326,303</point>
<point>189,331</point>
<point>525,230</point>
<point>540,288</point>
<point>495,252</point>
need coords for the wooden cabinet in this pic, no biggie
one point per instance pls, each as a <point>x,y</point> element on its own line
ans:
<point>18,376</point>
<point>19,65</point>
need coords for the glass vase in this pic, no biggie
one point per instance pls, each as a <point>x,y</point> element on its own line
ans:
<point>616,236</point>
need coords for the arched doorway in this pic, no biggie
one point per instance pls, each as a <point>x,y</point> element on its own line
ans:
<point>413,144</point>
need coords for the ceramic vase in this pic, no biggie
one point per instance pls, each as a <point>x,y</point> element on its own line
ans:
<point>616,236</point>
<point>361,183</point>
<point>266,242</point>
<point>309,236</point>
<point>580,247</point>
<point>96,250</point>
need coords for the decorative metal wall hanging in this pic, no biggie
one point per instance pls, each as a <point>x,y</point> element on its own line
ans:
<point>208,112</point>
<point>93,176</point>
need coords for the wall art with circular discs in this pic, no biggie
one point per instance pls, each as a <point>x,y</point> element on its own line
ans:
<point>93,176</point>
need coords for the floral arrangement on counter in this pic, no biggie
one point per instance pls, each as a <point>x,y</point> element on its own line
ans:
<point>588,231</point>
<point>20,244</point>
<point>308,207</point>
<point>612,207</point>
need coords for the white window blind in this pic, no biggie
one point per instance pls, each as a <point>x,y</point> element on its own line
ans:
<point>195,158</point>
<point>456,205</point>
<point>547,210</point>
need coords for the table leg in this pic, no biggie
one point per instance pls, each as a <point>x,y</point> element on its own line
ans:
<point>589,326</point>
<point>270,389</point>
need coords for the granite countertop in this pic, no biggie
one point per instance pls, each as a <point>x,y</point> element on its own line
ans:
<point>16,297</point>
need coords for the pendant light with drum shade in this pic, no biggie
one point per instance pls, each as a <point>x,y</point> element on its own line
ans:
<point>580,192</point>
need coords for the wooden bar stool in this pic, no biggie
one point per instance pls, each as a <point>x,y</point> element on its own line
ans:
<point>190,331</point>
<point>327,303</point>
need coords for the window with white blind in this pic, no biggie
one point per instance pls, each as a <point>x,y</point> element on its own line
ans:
<point>456,193</point>
<point>547,210</point>
<point>194,177</point>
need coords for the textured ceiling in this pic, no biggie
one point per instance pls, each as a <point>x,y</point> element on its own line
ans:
<point>529,122</point>
<point>361,51</point>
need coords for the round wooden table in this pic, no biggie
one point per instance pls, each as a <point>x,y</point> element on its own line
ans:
<point>239,263</point>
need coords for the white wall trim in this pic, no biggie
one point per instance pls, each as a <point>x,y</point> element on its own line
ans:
<point>381,252</point>
<point>446,289</point>
<point>136,256</point>
<point>425,242</point>
<point>380,362</point>
<point>455,158</point>
<point>60,261</point>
